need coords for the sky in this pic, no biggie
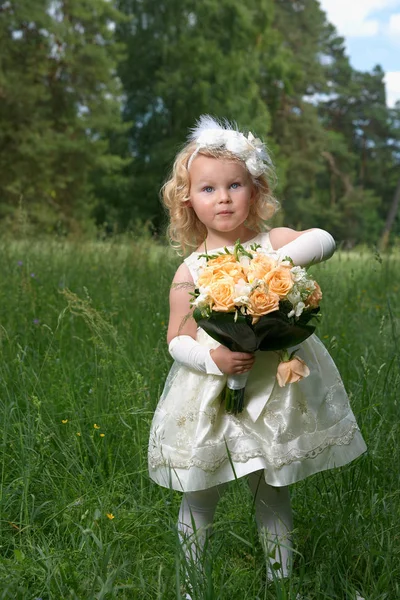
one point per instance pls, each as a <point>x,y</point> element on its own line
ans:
<point>371,29</point>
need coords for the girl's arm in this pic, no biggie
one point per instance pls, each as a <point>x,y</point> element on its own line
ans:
<point>304,247</point>
<point>182,329</point>
<point>181,321</point>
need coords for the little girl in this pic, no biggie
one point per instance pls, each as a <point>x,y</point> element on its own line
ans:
<point>219,192</point>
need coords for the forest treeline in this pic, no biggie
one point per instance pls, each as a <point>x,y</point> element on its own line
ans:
<point>97,96</point>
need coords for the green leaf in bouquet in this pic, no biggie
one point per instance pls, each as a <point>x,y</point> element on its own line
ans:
<point>237,335</point>
<point>275,333</point>
<point>307,315</point>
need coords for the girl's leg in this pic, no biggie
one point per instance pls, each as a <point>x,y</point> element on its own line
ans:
<point>274,522</point>
<point>195,520</point>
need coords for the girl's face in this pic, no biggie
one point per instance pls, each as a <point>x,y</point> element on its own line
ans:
<point>221,193</point>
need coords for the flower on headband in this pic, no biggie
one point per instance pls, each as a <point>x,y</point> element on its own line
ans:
<point>211,138</point>
<point>255,166</point>
<point>236,143</point>
<point>208,133</point>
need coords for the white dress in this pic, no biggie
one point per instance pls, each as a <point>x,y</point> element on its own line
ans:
<point>303,428</point>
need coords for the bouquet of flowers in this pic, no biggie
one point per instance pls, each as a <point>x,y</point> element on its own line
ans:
<point>252,300</point>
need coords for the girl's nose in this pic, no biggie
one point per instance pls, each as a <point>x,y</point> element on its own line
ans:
<point>224,195</point>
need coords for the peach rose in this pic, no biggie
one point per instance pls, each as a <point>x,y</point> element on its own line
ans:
<point>235,271</point>
<point>291,371</point>
<point>279,281</point>
<point>221,260</point>
<point>315,297</point>
<point>222,292</point>
<point>205,278</point>
<point>259,267</point>
<point>261,303</point>
<point>209,276</point>
<point>219,268</point>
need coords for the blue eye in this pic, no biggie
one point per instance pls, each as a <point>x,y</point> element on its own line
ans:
<point>235,185</point>
<point>208,189</point>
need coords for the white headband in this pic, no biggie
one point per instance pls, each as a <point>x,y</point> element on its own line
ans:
<point>210,134</point>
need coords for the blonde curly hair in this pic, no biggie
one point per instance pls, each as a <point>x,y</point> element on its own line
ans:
<point>185,230</point>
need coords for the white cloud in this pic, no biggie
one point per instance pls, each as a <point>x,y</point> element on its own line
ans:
<point>392,81</point>
<point>352,18</point>
<point>361,18</point>
<point>394,25</point>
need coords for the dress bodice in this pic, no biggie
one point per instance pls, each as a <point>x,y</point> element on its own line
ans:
<point>195,262</point>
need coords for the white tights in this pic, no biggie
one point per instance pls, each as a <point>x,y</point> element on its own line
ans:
<point>273,517</point>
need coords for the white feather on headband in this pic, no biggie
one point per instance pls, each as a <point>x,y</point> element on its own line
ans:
<point>209,133</point>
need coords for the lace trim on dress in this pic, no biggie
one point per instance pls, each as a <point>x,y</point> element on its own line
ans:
<point>156,458</point>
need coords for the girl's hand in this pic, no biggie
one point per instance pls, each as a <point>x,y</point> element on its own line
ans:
<point>232,363</point>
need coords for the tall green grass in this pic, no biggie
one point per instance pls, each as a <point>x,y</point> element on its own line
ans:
<point>83,360</point>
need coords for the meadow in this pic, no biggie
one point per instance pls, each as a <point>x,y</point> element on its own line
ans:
<point>83,360</point>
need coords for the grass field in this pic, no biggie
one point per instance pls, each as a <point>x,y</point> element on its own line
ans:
<point>83,360</point>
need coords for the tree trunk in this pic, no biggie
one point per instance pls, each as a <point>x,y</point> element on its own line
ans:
<point>348,186</point>
<point>390,218</point>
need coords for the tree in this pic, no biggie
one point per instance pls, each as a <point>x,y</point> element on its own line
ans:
<point>329,125</point>
<point>60,105</point>
<point>295,62</point>
<point>186,58</point>
<point>359,114</point>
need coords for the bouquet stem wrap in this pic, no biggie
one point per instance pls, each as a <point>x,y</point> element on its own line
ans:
<point>234,392</point>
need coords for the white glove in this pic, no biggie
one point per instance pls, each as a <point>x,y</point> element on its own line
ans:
<point>309,248</point>
<point>185,350</point>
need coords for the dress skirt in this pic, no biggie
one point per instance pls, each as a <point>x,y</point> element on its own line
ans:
<point>295,431</point>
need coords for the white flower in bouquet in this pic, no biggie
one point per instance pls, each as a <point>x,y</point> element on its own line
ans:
<point>242,292</point>
<point>203,299</point>
<point>284,262</point>
<point>299,275</point>
<point>310,286</point>
<point>297,310</point>
<point>294,296</point>
<point>244,262</point>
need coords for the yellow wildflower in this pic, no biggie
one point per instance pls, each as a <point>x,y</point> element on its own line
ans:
<point>102,434</point>
<point>110,516</point>
<point>63,421</point>
<point>96,426</point>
